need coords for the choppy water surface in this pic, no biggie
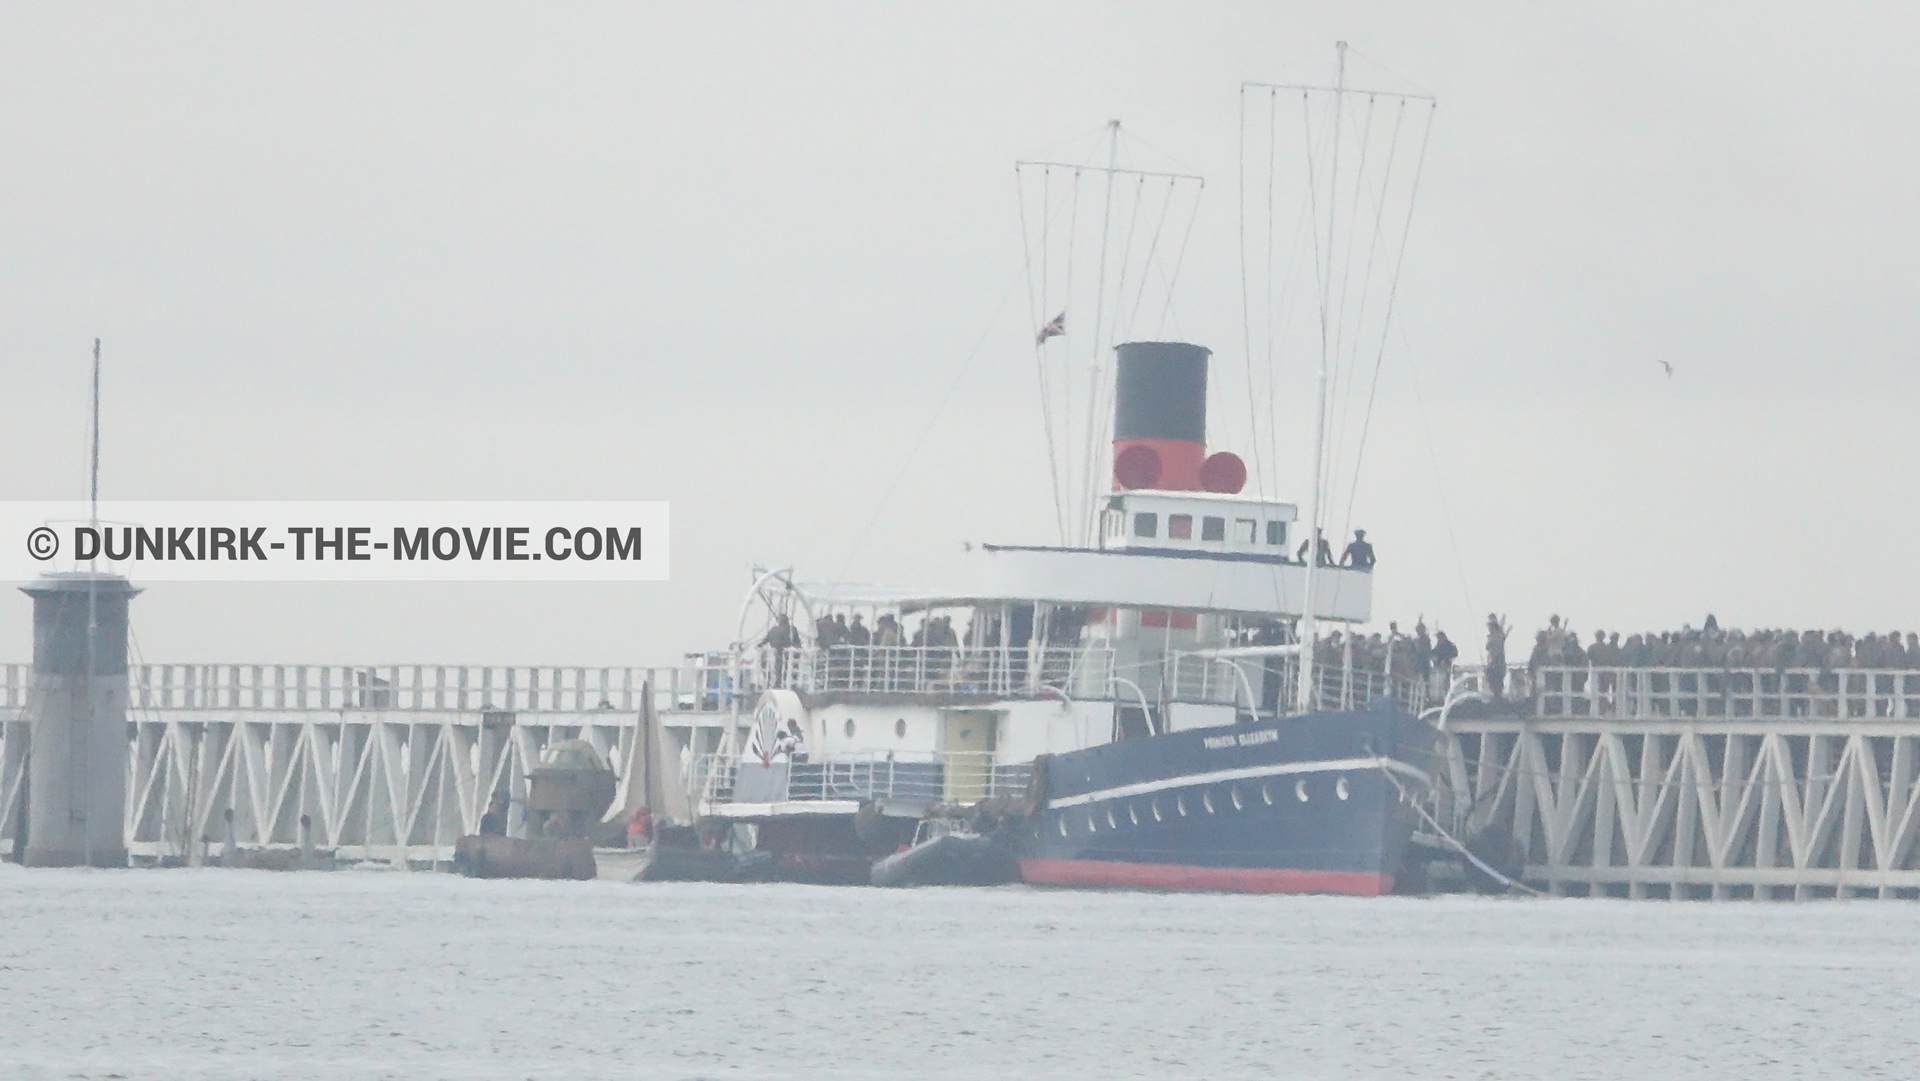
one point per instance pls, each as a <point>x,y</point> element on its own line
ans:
<point>245,974</point>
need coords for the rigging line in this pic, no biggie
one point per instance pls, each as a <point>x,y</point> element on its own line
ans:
<point>1040,359</point>
<point>1180,258</point>
<point>1100,298</point>
<point>1152,247</point>
<point>1321,275</point>
<point>1039,346</point>
<point>1425,90</point>
<point>1360,320</point>
<point>1101,417</point>
<point>1065,420</point>
<point>926,430</point>
<point>1373,388</point>
<point>1266,485</point>
<point>1130,134</point>
<point>1393,293</point>
<point>1246,298</point>
<point>1343,357</point>
<point>1439,481</point>
<point>1126,252</point>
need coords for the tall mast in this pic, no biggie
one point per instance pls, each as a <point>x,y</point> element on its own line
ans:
<point>1304,696</point>
<point>1088,515</point>
<point>88,695</point>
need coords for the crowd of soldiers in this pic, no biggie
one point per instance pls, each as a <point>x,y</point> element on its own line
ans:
<point>1710,646</point>
<point>1393,652</point>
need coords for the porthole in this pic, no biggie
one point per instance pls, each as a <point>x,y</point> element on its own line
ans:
<point>1300,791</point>
<point>1206,800</point>
<point>1155,808</point>
<point>1133,814</point>
<point>1180,804</point>
<point>1063,825</point>
<point>1340,788</point>
<point>900,728</point>
<point>1234,792</point>
<point>1112,823</point>
<point>1266,794</point>
<point>849,728</point>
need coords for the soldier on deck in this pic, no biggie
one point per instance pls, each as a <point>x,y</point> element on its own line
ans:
<point>1359,554</point>
<point>1496,654</point>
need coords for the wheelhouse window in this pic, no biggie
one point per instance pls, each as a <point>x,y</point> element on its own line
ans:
<point>1179,527</point>
<point>1213,529</point>
<point>1243,531</point>
<point>1277,533</point>
<point>1146,525</point>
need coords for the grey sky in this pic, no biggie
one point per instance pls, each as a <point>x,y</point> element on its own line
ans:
<point>736,256</point>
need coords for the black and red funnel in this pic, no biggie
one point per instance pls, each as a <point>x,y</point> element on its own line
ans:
<point>1160,421</point>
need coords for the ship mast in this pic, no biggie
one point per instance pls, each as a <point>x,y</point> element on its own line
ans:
<point>1304,692</point>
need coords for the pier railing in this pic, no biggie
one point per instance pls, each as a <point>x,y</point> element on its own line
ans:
<point>700,686</point>
<point>1634,694</point>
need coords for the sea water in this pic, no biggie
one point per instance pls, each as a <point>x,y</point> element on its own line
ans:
<point>366,974</point>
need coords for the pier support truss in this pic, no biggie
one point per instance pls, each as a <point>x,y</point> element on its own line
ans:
<point>391,764</point>
<point>1658,798</point>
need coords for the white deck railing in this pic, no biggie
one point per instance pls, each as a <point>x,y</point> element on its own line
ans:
<point>954,777</point>
<point>936,670</point>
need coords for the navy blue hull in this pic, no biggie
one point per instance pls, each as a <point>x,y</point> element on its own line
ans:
<point>1300,804</point>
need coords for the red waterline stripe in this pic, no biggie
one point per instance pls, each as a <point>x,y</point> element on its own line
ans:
<point>1178,876</point>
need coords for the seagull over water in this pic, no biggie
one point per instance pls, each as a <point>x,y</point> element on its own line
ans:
<point>1668,367</point>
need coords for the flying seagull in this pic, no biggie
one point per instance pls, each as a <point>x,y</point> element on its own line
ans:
<point>1668,367</point>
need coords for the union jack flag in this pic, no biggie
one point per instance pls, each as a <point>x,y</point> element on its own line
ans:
<point>1055,329</point>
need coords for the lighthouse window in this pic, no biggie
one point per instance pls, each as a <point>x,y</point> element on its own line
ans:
<point>1213,529</point>
<point>1115,522</point>
<point>849,727</point>
<point>1146,525</point>
<point>1276,532</point>
<point>1179,527</point>
<point>1243,531</point>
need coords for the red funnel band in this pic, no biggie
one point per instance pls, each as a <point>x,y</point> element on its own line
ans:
<point>1224,473</point>
<point>1166,464</point>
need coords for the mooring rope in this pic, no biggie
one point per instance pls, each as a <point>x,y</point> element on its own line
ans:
<point>1449,838</point>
